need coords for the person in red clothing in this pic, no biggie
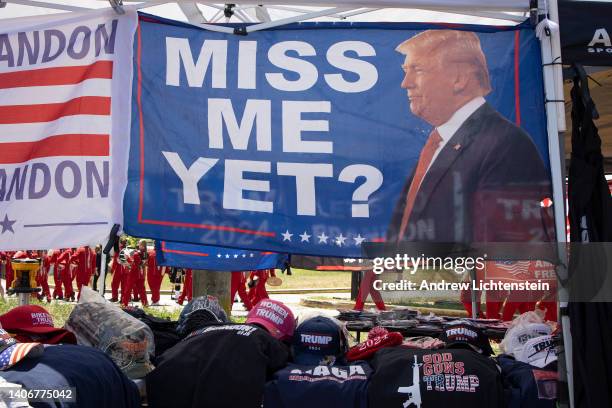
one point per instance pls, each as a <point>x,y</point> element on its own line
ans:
<point>119,273</point>
<point>63,262</point>
<point>137,262</point>
<point>258,291</point>
<point>238,285</point>
<point>84,260</point>
<point>187,288</point>
<point>140,288</point>
<point>367,288</point>
<point>42,276</point>
<point>52,255</point>
<point>155,275</point>
<point>6,257</point>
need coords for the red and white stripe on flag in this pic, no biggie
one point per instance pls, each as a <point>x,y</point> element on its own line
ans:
<point>20,351</point>
<point>65,89</point>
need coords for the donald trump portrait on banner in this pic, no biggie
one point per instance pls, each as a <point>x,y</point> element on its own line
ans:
<point>473,157</point>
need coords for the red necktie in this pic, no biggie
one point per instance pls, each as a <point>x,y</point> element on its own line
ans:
<point>424,161</point>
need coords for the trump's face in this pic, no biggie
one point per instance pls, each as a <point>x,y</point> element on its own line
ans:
<point>429,85</point>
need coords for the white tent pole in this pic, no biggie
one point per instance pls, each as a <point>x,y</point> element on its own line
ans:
<point>553,12</point>
<point>555,49</point>
<point>449,5</point>
<point>478,13</point>
<point>295,19</point>
<point>554,151</point>
<point>192,12</point>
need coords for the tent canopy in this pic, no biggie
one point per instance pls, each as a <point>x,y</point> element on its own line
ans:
<point>198,12</point>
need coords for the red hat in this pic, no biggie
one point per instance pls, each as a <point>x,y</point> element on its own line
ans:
<point>274,316</point>
<point>365,350</point>
<point>34,323</point>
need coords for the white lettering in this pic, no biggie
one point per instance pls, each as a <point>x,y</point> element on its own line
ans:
<point>601,37</point>
<point>178,50</point>
<point>190,177</point>
<point>305,174</point>
<point>235,184</point>
<point>294,125</point>
<point>368,75</point>
<point>255,111</point>
<point>307,72</point>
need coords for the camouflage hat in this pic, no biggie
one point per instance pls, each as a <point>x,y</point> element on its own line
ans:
<point>207,303</point>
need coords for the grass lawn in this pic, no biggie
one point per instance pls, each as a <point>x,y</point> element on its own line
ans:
<point>300,279</point>
<point>61,310</point>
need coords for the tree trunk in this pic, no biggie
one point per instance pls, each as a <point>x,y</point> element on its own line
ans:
<point>213,283</point>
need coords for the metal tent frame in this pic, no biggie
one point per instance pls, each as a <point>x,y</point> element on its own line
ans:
<point>258,14</point>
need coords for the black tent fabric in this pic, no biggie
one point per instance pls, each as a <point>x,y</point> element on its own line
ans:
<point>586,30</point>
<point>590,215</point>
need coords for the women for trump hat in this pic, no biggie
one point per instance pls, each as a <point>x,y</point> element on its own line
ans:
<point>274,316</point>
<point>12,352</point>
<point>34,323</point>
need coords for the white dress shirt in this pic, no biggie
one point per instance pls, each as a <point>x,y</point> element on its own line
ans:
<point>448,129</point>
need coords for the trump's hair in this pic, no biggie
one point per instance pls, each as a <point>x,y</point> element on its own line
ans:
<point>452,46</point>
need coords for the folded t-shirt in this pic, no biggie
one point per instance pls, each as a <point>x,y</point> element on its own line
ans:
<point>221,365</point>
<point>298,386</point>
<point>98,382</point>
<point>434,378</point>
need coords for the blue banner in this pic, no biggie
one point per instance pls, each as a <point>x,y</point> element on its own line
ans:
<point>314,138</point>
<point>215,258</point>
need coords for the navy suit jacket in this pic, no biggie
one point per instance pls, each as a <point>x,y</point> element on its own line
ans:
<point>488,171</point>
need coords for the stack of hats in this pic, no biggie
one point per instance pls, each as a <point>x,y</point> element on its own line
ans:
<point>200,312</point>
<point>273,316</point>
<point>32,323</point>
<point>531,343</point>
<point>319,340</point>
<point>516,338</point>
<point>539,351</point>
<point>466,334</point>
<point>378,338</point>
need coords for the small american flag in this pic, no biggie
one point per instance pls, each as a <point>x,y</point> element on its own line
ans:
<point>17,352</point>
<point>514,268</point>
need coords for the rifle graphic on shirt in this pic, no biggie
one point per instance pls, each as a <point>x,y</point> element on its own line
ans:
<point>414,391</point>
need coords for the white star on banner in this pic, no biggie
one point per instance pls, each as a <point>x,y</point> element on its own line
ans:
<point>287,235</point>
<point>244,255</point>
<point>235,256</point>
<point>226,255</point>
<point>251,255</point>
<point>322,238</point>
<point>305,237</point>
<point>359,240</point>
<point>340,239</point>
<point>218,255</point>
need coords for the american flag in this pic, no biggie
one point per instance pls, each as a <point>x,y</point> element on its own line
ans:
<point>64,92</point>
<point>55,111</point>
<point>16,353</point>
<point>514,267</point>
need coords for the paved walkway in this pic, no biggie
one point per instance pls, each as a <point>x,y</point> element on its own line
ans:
<point>291,300</point>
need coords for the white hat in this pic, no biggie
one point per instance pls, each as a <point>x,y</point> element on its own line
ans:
<point>516,337</point>
<point>539,351</point>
